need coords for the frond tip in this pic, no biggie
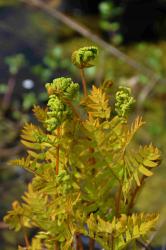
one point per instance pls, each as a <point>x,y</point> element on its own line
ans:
<point>63,87</point>
<point>83,57</point>
<point>97,104</point>
<point>124,101</point>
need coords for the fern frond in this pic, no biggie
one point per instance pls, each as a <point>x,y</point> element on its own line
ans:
<point>121,231</point>
<point>137,124</point>
<point>139,163</point>
<point>97,104</point>
<point>22,162</point>
<point>40,113</point>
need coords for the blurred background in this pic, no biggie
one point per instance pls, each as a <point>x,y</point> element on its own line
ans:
<point>37,38</point>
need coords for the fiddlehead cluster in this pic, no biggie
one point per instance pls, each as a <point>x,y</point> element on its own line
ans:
<point>58,111</point>
<point>124,101</point>
<point>84,57</point>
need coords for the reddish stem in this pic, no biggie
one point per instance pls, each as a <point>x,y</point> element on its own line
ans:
<point>79,245</point>
<point>118,198</point>
<point>56,246</point>
<point>91,244</point>
<point>83,82</point>
<point>26,239</point>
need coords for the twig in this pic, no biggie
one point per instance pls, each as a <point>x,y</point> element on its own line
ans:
<point>143,244</point>
<point>90,35</point>
<point>147,90</point>
<point>154,234</point>
<point>7,97</point>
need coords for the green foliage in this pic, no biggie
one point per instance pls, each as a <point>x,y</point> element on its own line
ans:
<point>108,13</point>
<point>15,63</point>
<point>8,3</point>
<point>86,170</point>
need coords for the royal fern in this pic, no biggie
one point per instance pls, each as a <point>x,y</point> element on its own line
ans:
<point>86,170</point>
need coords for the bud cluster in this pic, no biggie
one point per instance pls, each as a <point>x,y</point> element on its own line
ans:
<point>60,89</point>
<point>83,57</point>
<point>124,101</point>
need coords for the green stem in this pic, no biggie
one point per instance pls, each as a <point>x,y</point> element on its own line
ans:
<point>83,82</point>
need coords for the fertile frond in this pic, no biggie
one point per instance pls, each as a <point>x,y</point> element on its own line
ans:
<point>63,87</point>
<point>57,113</point>
<point>84,57</point>
<point>124,101</point>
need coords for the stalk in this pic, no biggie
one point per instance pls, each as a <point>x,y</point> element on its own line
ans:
<point>118,198</point>
<point>26,240</point>
<point>79,245</point>
<point>91,244</point>
<point>56,246</point>
<point>57,153</point>
<point>83,82</point>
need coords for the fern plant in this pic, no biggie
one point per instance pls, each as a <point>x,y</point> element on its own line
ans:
<point>86,172</point>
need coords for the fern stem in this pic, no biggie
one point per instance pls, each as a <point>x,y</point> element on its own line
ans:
<point>91,244</point>
<point>118,198</point>
<point>83,82</point>
<point>57,153</point>
<point>26,239</point>
<point>56,246</point>
<point>27,243</point>
<point>112,242</point>
<point>134,194</point>
<point>79,245</point>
